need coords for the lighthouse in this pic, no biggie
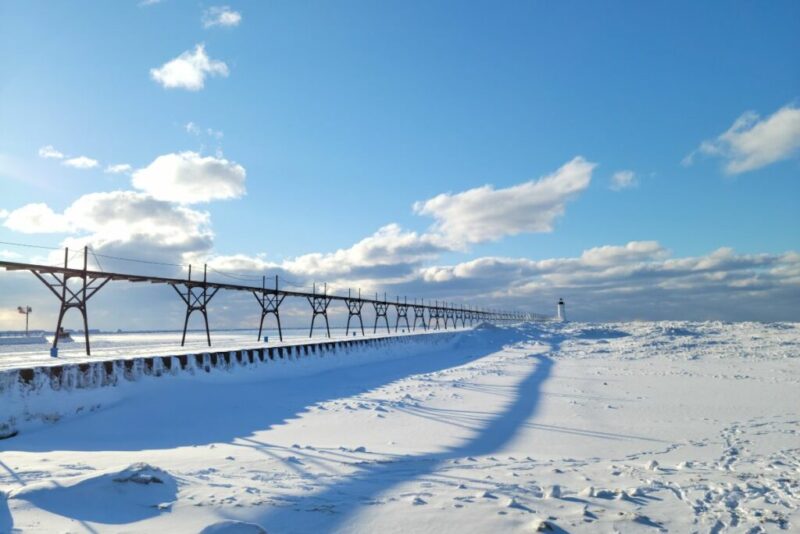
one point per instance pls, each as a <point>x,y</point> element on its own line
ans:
<point>561,310</point>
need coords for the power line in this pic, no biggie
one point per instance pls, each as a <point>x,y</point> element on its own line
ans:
<point>234,276</point>
<point>150,262</point>
<point>96,258</point>
<point>28,246</point>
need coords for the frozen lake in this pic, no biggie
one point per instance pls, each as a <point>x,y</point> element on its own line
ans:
<point>624,427</point>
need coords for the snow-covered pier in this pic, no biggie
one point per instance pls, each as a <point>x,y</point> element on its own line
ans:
<point>19,384</point>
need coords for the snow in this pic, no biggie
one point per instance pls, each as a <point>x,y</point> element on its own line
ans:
<point>135,344</point>
<point>22,340</point>
<point>552,427</point>
<point>112,497</point>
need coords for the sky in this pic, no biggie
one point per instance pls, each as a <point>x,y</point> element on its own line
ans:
<point>639,160</point>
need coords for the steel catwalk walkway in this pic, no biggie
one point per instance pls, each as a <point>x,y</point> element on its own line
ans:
<point>197,294</point>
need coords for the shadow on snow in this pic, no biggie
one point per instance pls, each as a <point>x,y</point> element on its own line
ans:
<point>169,413</point>
<point>350,495</point>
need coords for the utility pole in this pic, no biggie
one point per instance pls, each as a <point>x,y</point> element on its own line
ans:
<point>26,311</point>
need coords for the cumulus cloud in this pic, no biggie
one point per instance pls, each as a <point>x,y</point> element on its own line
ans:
<point>49,152</point>
<point>81,162</point>
<point>134,224</point>
<point>118,168</point>
<point>126,223</point>
<point>636,280</point>
<point>639,280</point>
<point>752,142</point>
<point>36,218</point>
<point>152,223</point>
<point>189,70</point>
<point>390,255</point>
<point>188,177</point>
<point>78,162</point>
<point>631,252</point>
<point>486,213</point>
<point>623,180</point>
<point>222,16</point>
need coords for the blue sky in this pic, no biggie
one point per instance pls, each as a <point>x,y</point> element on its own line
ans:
<point>343,115</point>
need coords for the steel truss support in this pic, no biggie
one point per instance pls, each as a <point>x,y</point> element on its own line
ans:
<point>196,296</point>
<point>354,310</point>
<point>73,298</point>
<point>381,308</point>
<point>402,313</point>
<point>434,313</point>
<point>319,306</point>
<point>449,315</point>
<point>460,316</point>
<point>269,301</point>
<point>419,313</point>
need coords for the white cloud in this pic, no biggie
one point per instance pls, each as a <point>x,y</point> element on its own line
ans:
<point>121,215</point>
<point>623,180</point>
<point>485,213</point>
<point>81,162</point>
<point>221,16</point>
<point>146,3</point>
<point>49,152</point>
<point>390,255</point>
<point>633,251</point>
<point>637,280</point>
<point>119,168</point>
<point>36,218</point>
<point>10,255</point>
<point>752,143</point>
<point>125,223</point>
<point>192,128</point>
<point>390,252</point>
<point>196,130</point>
<point>3,214</point>
<point>189,70</point>
<point>188,177</point>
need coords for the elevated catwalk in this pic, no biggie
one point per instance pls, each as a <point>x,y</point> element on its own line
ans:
<point>74,287</point>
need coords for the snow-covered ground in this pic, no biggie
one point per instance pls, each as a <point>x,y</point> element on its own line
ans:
<point>634,427</point>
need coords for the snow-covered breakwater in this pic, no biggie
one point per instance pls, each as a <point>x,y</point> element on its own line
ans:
<point>36,394</point>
